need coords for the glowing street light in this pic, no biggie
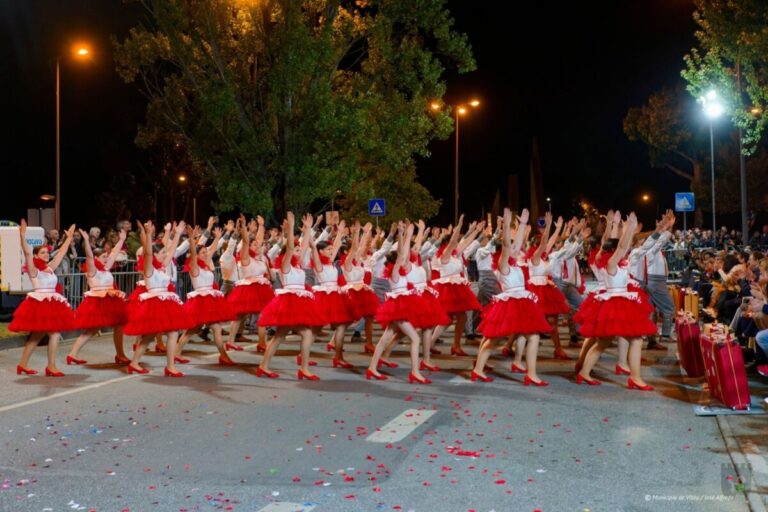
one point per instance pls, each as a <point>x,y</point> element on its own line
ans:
<point>460,109</point>
<point>81,52</point>
<point>182,178</point>
<point>646,198</point>
<point>713,109</point>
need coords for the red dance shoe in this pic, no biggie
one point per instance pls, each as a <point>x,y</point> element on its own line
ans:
<point>180,360</point>
<point>482,378</point>
<point>169,373</point>
<point>342,363</point>
<point>301,375</point>
<point>264,373</point>
<point>232,346</point>
<point>73,360</point>
<point>260,349</point>
<point>226,362</point>
<point>632,385</point>
<point>51,373</point>
<point>369,375</point>
<point>122,360</point>
<point>423,365</point>
<point>516,369</point>
<point>621,371</point>
<point>560,354</point>
<point>591,382</point>
<point>414,379</point>
<point>330,347</point>
<point>27,371</point>
<point>528,381</point>
<point>458,352</point>
<point>131,370</point>
<point>387,363</point>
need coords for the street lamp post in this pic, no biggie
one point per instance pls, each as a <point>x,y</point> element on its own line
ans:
<point>458,110</point>
<point>713,109</point>
<point>549,204</point>
<point>81,52</point>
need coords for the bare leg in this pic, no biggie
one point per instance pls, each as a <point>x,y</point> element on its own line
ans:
<point>307,337</point>
<point>426,339</point>
<point>218,339</point>
<point>635,366</point>
<point>172,341</point>
<point>159,345</point>
<point>483,353</point>
<point>144,342</point>
<point>385,339</point>
<point>234,327</point>
<point>262,336</point>
<point>80,341</point>
<point>556,334</point>
<point>458,330</point>
<point>272,347</point>
<point>117,339</point>
<point>588,343</point>
<point>53,344</point>
<point>519,350</point>
<point>623,351</point>
<point>338,339</point>
<point>531,353</point>
<point>183,340</point>
<point>408,329</point>
<point>369,331</point>
<point>594,355</point>
<point>439,330</point>
<point>29,347</point>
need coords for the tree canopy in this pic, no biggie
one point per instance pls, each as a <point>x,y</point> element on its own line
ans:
<point>732,58</point>
<point>282,102</point>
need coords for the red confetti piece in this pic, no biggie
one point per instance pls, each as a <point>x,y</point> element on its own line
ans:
<point>296,479</point>
<point>318,482</point>
<point>377,489</point>
<point>426,484</point>
<point>349,497</point>
<point>500,482</point>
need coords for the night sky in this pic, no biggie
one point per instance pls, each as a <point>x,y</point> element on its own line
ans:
<point>565,75</point>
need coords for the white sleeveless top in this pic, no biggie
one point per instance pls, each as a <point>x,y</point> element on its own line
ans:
<point>293,282</point>
<point>102,285</point>
<point>254,272</point>
<point>355,278</point>
<point>398,288</point>
<point>616,285</point>
<point>44,284</point>
<point>539,274</point>
<point>513,285</point>
<point>203,284</point>
<point>328,279</point>
<point>157,287</point>
<point>451,272</point>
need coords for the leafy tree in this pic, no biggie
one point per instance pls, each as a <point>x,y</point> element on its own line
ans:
<point>732,58</point>
<point>282,102</point>
<point>662,125</point>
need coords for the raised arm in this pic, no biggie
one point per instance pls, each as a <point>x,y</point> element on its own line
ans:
<point>288,225</point>
<point>259,235</point>
<point>89,264</point>
<point>194,269</point>
<point>553,239</point>
<point>536,258</point>
<point>53,264</point>
<point>116,249</point>
<point>245,245</point>
<point>624,243</point>
<point>506,245</point>
<point>402,253</point>
<point>454,240</point>
<point>337,240</point>
<point>145,235</point>
<point>31,269</point>
<point>365,240</point>
<point>354,246</point>
<point>471,235</point>
<point>522,233</point>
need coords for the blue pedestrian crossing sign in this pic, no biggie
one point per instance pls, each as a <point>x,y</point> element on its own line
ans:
<point>684,202</point>
<point>377,207</point>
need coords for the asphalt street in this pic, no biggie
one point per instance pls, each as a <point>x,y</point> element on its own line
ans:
<point>222,439</point>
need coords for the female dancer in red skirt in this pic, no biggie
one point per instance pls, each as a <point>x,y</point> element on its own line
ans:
<point>397,309</point>
<point>617,312</point>
<point>206,305</point>
<point>44,310</point>
<point>361,299</point>
<point>332,303</point>
<point>104,305</point>
<point>253,291</point>
<point>455,295</point>
<point>294,307</point>
<point>514,311</point>
<point>158,310</point>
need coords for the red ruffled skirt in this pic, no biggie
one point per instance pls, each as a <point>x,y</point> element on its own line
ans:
<point>581,315</point>
<point>155,315</point>
<point>617,316</point>
<point>134,296</point>
<point>362,303</point>
<point>456,298</point>
<point>426,311</point>
<point>251,298</point>
<point>34,315</point>
<point>551,299</point>
<point>644,300</point>
<point>395,309</point>
<point>208,309</point>
<point>501,318</point>
<point>334,308</point>
<point>291,309</point>
<point>96,312</point>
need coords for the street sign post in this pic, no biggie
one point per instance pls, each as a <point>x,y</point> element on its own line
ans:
<point>377,208</point>
<point>685,202</point>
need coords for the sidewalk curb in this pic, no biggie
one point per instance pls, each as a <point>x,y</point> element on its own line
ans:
<point>741,460</point>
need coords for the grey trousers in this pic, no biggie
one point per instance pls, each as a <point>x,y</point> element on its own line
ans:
<point>662,301</point>
<point>574,299</point>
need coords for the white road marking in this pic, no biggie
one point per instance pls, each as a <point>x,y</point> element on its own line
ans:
<point>401,426</point>
<point>63,393</point>
<point>284,506</point>
<point>458,380</point>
